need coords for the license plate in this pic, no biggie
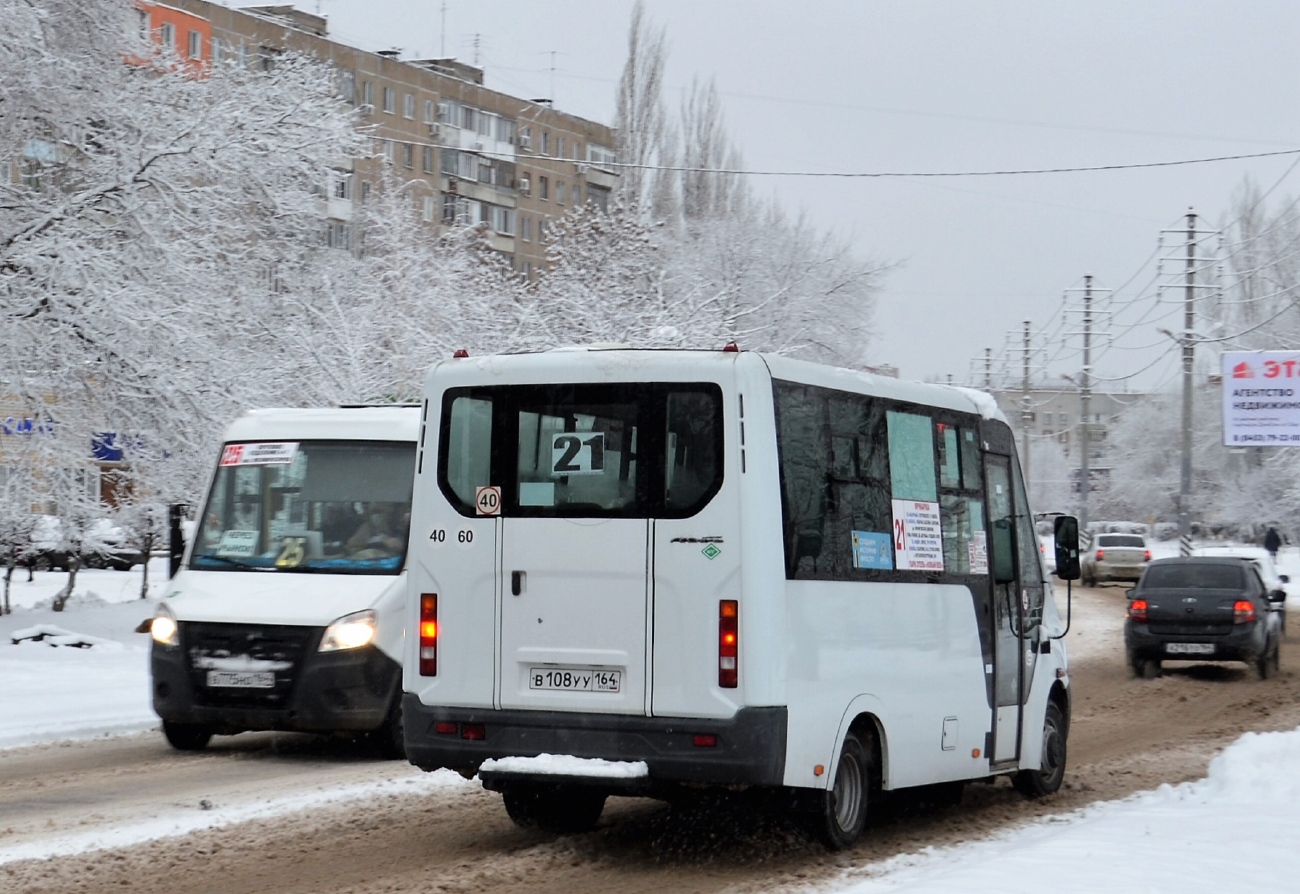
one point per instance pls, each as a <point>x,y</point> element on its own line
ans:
<point>1189,648</point>
<point>242,679</point>
<point>574,679</point>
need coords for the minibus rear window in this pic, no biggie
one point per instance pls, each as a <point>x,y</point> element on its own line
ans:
<point>621,451</point>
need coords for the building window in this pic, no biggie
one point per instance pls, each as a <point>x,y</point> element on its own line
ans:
<point>546,142</point>
<point>367,96</point>
<point>561,193</point>
<point>390,100</point>
<point>408,106</point>
<point>1047,419</point>
<point>503,220</point>
<point>486,124</point>
<point>342,185</point>
<point>542,229</point>
<point>430,111</point>
<point>448,165</point>
<point>505,130</point>
<point>365,191</point>
<point>559,146</point>
<point>543,188</point>
<point>467,117</point>
<point>448,208</point>
<point>219,51</point>
<point>525,228</point>
<point>338,235</point>
<point>525,138</point>
<point>1065,419</point>
<point>408,155</point>
<point>428,209</point>
<point>195,45</point>
<point>577,194</point>
<point>167,36</point>
<point>428,159</point>
<point>241,58</point>
<point>388,151</point>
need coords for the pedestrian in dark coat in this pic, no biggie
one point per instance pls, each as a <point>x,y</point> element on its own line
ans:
<point>1272,542</point>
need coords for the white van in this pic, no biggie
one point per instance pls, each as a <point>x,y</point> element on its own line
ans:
<point>644,572</point>
<point>287,611</point>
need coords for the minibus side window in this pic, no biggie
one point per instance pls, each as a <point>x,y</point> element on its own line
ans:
<point>693,465</point>
<point>803,441</point>
<point>469,447</point>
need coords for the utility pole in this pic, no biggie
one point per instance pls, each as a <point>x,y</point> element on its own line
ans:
<point>988,369</point>
<point>1189,347</point>
<point>1085,405</point>
<point>1026,414</point>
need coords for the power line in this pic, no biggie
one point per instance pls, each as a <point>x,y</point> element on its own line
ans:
<point>917,174</point>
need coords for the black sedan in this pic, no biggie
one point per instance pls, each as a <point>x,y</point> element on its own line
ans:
<point>1197,608</point>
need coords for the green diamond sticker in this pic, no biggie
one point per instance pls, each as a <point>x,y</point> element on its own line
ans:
<point>711,551</point>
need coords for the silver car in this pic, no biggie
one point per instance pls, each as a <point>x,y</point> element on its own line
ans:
<point>1114,557</point>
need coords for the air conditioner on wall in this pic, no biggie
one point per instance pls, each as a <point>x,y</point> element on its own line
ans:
<point>523,141</point>
<point>435,131</point>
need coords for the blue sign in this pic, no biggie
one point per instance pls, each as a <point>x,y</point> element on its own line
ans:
<point>872,550</point>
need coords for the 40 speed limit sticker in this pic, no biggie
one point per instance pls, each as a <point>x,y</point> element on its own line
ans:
<point>487,500</point>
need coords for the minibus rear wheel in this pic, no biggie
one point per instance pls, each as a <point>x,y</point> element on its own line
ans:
<point>563,809</point>
<point>842,809</point>
<point>187,736</point>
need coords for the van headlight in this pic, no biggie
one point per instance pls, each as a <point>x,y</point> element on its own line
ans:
<point>163,629</point>
<point>349,632</point>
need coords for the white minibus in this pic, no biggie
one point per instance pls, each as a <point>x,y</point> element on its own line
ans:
<point>287,611</point>
<point>647,572</point>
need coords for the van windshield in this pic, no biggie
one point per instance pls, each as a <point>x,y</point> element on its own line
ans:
<point>338,507</point>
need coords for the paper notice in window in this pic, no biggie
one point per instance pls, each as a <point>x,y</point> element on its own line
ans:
<point>978,551</point>
<point>918,536</point>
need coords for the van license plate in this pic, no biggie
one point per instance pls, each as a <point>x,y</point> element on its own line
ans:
<point>574,679</point>
<point>242,679</point>
<point>1189,648</point>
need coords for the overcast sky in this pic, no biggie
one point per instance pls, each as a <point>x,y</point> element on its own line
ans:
<point>927,86</point>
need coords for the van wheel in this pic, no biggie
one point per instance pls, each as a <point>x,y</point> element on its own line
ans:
<point>388,740</point>
<point>1048,777</point>
<point>187,736</point>
<point>1270,662</point>
<point>841,813</point>
<point>563,809</point>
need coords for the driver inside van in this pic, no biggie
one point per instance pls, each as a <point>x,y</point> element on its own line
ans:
<point>382,533</point>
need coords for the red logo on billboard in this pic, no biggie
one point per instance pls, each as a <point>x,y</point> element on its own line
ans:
<point>1243,371</point>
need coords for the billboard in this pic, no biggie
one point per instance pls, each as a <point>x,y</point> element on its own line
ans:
<point>1261,398</point>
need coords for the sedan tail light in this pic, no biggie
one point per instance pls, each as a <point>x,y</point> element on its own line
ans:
<point>1146,557</point>
<point>1243,611</point>
<point>1101,554</point>
<point>1137,610</point>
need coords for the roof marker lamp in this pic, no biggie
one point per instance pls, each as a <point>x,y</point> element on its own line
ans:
<point>164,629</point>
<point>349,632</point>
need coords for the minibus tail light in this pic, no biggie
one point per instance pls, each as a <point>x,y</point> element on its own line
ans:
<point>728,642</point>
<point>428,634</point>
<point>1137,610</point>
<point>1243,611</point>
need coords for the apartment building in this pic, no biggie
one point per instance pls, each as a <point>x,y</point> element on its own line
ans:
<point>1057,415</point>
<point>477,155</point>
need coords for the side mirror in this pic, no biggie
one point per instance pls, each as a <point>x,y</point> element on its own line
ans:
<point>1277,596</point>
<point>1065,534</point>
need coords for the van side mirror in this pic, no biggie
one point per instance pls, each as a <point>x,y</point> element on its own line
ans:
<point>1065,534</point>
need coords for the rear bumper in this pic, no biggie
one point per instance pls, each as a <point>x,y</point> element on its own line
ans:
<point>749,749</point>
<point>1245,643</point>
<point>1105,572</point>
<point>348,691</point>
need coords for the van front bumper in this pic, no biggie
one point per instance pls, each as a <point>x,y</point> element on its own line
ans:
<point>748,748</point>
<point>343,691</point>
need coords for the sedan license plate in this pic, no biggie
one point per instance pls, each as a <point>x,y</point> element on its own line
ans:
<point>242,679</point>
<point>574,679</point>
<point>1189,648</point>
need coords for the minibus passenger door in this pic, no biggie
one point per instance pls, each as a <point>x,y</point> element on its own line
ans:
<point>1008,613</point>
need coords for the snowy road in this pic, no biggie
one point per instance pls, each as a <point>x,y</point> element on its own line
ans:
<point>340,821</point>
